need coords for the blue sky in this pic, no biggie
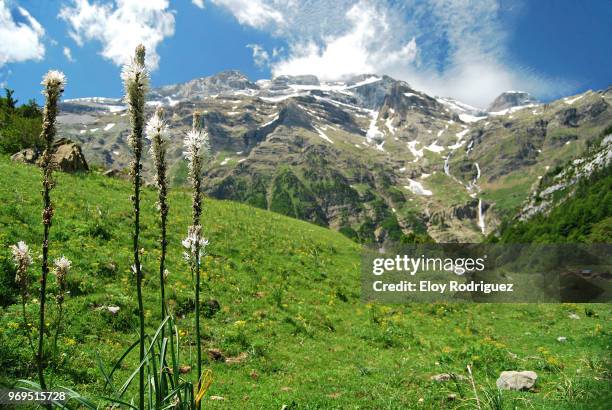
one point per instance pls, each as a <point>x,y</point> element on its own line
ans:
<point>470,50</point>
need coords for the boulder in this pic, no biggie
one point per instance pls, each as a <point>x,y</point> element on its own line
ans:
<point>513,380</point>
<point>67,156</point>
<point>27,156</point>
<point>216,355</point>
<point>111,173</point>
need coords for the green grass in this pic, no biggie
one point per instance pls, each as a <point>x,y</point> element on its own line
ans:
<point>509,191</point>
<point>289,294</point>
<point>446,190</point>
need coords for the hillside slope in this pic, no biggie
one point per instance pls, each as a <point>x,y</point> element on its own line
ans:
<point>290,312</point>
<point>572,203</point>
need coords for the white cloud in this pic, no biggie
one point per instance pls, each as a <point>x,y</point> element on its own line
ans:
<point>254,13</point>
<point>198,3</point>
<point>260,56</point>
<point>444,47</point>
<point>367,47</point>
<point>68,54</point>
<point>20,40</point>
<point>4,74</point>
<point>120,26</point>
<point>477,67</point>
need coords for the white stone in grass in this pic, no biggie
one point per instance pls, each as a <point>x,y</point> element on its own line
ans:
<point>562,339</point>
<point>513,380</point>
<point>573,316</point>
<point>113,309</point>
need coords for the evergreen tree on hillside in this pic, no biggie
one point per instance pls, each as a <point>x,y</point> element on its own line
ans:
<point>20,127</point>
<point>11,103</point>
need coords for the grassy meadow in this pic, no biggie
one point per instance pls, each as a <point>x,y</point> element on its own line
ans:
<point>290,324</point>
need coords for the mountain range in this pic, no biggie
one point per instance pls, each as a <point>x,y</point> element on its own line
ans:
<point>369,156</point>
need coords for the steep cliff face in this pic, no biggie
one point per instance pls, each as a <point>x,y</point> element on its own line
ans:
<point>559,185</point>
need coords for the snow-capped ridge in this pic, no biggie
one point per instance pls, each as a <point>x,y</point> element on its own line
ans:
<point>511,99</point>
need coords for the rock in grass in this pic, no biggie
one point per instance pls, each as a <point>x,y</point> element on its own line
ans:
<point>573,316</point>
<point>111,173</point>
<point>211,307</point>
<point>513,380</point>
<point>27,156</point>
<point>444,377</point>
<point>67,156</point>
<point>216,355</point>
<point>562,339</point>
<point>113,309</point>
<point>237,359</point>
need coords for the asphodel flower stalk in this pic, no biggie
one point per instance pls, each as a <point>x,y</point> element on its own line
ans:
<point>23,260</point>
<point>196,146</point>
<point>136,82</point>
<point>62,267</point>
<point>157,133</point>
<point>53,83</point>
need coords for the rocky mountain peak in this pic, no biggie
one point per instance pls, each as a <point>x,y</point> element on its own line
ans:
<point>511,99</point>
<point>225,81</point>
<point>404,100</point>
<point>232,79</point>
<point>285,80</point>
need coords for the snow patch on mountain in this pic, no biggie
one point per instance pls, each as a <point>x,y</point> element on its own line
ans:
<point>369,80</point>
<point>417,153</point>
<point>512,109</point>
<point>434,147</point>
<point>271,121</point>
<point>373,131</point>
<point>389,125</point>
<point>570,101</point>
<point>417,188</point>
<point>323,135</point>
<point>471,118</point>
